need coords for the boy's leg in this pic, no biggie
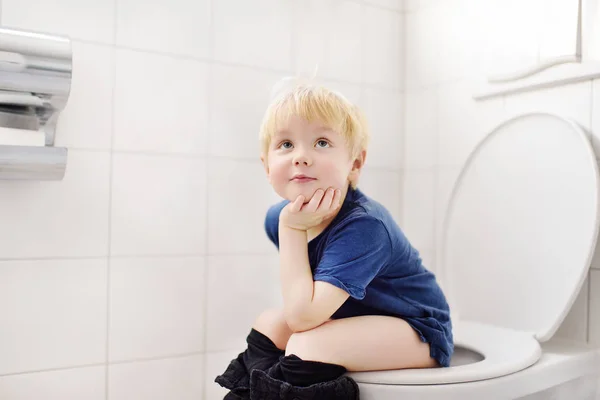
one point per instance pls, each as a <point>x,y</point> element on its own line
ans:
<point>270,330</point>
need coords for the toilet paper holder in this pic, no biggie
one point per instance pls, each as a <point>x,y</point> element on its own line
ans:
<point>35,83</point>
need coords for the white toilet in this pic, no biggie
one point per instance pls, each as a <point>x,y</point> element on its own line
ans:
<point>517,243</point>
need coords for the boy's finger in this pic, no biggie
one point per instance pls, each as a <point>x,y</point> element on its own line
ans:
<point>327,199</point>
<point>297,205</point>
<point>313,204</point>
<point>337,199</point>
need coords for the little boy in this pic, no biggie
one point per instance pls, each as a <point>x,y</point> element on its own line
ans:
<point>356,296</point>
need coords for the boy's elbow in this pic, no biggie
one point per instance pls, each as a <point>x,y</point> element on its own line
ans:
<point>299,322</point>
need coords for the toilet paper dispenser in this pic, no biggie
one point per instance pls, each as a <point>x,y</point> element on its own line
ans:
<point>35,82</point>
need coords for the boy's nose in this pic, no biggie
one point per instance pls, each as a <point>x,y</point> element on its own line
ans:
<point>302,159</point>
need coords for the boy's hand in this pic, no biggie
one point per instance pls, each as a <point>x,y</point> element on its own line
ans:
<point>321,206</point>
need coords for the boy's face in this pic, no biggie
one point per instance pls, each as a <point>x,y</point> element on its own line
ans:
<point>304,157</point>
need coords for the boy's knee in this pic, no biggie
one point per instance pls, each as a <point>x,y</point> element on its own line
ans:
<point>271,323</point>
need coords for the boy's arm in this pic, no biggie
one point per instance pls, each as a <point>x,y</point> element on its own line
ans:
<point>307,304</point>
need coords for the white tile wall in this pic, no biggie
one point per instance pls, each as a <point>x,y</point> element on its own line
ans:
<point>53,314</point>
<point>87,119</point>
<point>329,37</point>
<point>175,378</point>
<point>420,128</point>
<point>158,205</point>
<point>384,38</point>
<point>69,384</point>
<point>68,218</point>
<point>385,125</point>
<point>146,114</point>
<point>418,211</point>
<point>121,273</point>
<point>239,196</point>
<point>156,306</point>
<point>239,289</point>
<point>254,33</point>
<point>462,122</point>
<point>168,26</point>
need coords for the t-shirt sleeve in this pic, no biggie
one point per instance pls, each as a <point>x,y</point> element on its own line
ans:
<point>272,222</point>
<point>354,255</point>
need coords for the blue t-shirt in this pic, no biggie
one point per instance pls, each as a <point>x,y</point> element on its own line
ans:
<point>364,252</point>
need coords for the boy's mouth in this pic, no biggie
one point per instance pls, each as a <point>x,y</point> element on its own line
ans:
<point>301,178</point>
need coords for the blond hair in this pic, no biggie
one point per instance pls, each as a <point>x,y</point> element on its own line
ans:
<point>314,103</point>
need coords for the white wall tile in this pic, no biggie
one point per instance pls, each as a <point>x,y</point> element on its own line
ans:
<point>506,50</point>
<point>575,325</point>
<point>174,378</point>
<point>571,101</point>
<point>87,118</point>
<point>70,384</point>
<point>594,323</point>
<point>216,363</point>
<point>391,4</point>
<point>446,53</point>
<point>383,47</point>
<point>429,259</point>
<point>253,33</point>
<point>413,5</point>
<point>383,109</point>
<point>79,19</point>
<point>67,218</point>
<point>418,211</point>
<point>239,289</point>
<point>420,133</point>
<point>329,34</point>
<point>239,98</point>
<point>158,205</point>
<point>422,49</point>
<point>384,186</point>
<point>161,103</point>
<point>463,122</point>
<point>444,183</point>
<point>170,26</point>
<point>239,196</point>
<point>156,306</point>
<point>53,315</point>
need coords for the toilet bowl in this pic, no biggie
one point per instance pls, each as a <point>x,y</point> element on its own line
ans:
<point>516,246</point>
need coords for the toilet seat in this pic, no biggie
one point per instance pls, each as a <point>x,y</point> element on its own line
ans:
<point>506,351</point>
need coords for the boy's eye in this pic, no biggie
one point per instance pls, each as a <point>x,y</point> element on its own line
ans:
<point>286,145</point>
<point>322,143</point>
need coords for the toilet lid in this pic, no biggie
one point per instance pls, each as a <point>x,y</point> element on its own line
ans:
<point>521,225</point>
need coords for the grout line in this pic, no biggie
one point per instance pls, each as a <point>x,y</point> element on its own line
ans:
<point>103,364</point>
<point>37,371</point>
<point>157,358</point>
<point>205,264</point>
<point>110,203</point>
<point>134,256</point>
<point>209,60</point>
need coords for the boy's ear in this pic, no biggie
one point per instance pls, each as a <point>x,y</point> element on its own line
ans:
<point>357,165</point>
<point>359,162</point>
